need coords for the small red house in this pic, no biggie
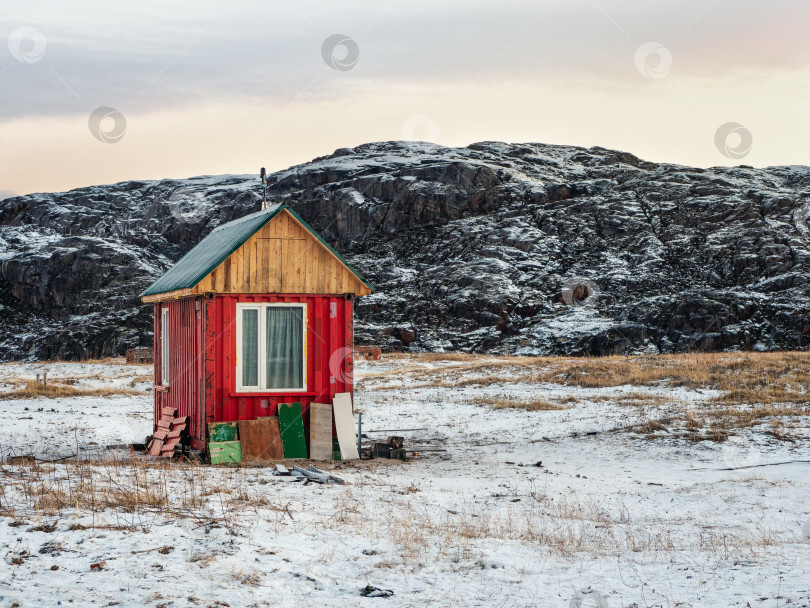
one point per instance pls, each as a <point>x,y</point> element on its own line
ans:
<point>259,312</point>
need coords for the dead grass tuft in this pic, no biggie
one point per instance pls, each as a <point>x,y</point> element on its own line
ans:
<point>131,492</point>
<point>54,390</point>
<point>752,387</point>
<point>778,377</point>
<point>506,402</point>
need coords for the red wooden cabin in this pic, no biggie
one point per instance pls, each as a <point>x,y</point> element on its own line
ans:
<point>259,312</point>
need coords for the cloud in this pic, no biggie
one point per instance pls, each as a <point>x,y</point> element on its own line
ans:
<point>213,87</point>
<point>156,55</point>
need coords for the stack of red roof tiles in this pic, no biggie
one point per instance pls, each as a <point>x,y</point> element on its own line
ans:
<point>167,435</point>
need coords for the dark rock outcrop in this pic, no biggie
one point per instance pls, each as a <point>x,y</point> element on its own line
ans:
<point>528,249</point>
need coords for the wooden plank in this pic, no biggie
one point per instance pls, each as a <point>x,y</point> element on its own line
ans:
<point>320,431</point>
<point>276,449</point>
<point>310,275</point>
<point>204,285</point>
<point>164,424</point>
<point>233,277</point>
<point>238,279</point>
<point>169,295</point>
<point>255,436</point>
<point>319,278</point>
<point>333,273</point>
<point>155,447</point>
<point>298,265</point>
<point>344,423</point>
<point>259,286</point>
<point>285,264</point>
<point>269,230</point>
<point>168,411</point>
<point>180,420</point>
<point>329,274</point>
<point>245,265</point>
<point>278,268</point>
<point>266,266</point>
<point>256,282</point>
<point>219,278</point>
<point>160,434</point>
<point>291,425</point>
<point>225,269</point>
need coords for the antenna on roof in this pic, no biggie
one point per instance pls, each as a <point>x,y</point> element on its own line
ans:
<point>263,175</point>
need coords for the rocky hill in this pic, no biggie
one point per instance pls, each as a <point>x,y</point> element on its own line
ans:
<point>513,248</point>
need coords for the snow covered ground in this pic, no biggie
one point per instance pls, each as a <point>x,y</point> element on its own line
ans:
<point>611,518</point>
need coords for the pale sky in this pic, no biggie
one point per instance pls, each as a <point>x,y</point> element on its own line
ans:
<point>212,87</point>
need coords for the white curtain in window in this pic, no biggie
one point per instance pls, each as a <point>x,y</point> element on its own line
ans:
<point>285,347</point>
<point>250,347</point>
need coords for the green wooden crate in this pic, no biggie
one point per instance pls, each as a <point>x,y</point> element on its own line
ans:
<point>225,452</point>
<point>291,425</point>
<point>222,431</point>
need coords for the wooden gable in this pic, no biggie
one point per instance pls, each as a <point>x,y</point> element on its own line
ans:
<point>282,257</point>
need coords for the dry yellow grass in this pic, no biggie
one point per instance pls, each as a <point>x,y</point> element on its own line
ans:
<point>131,495</point>
<point>532,405</point>
<point>104,361</point>
<point>636,398</point>
<point>753,387</point>
<point>565,526</point>
<point>745,378</point>
<point>133,488</point>
<point>108,361</point>
<point>52,390</point>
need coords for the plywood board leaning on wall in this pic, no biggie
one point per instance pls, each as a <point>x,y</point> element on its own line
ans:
<point>344,423</point>
<point>320,431</point>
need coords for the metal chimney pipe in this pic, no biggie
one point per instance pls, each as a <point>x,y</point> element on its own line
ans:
<point>263,175</point>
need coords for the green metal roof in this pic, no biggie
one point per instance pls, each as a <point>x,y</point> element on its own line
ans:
<point>218,247</point>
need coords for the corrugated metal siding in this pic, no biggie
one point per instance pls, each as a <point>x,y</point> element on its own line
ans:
<point>330,333</point>
<point>185,364</point>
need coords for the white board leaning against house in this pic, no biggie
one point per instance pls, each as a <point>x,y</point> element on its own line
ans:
<point>344,423</point>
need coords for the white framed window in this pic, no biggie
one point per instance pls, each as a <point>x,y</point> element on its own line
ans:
<point>164,346</point>
<point>271,347</point>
